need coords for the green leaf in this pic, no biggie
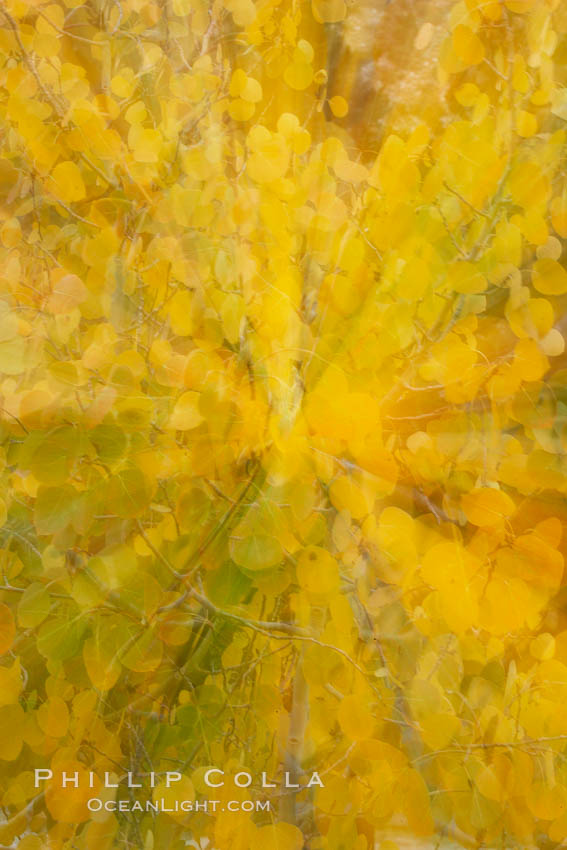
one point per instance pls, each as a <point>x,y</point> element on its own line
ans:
<point>53,508</point>
<point>109,441</point>
<point>54,457</point>
<point>256,552</point>
<point>227,585</point>
<point>34,606</point>
<point>60,638</point>
<point>128,493</point>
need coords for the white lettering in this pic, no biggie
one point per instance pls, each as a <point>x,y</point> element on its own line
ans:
<point>213,784</point>
<point>107,782</point>
<point>266,784</point>
<point>247,780</point>
<point>132,784</point>
<point>73,779</point>
<point>41,776</point>
<point>289,784</point>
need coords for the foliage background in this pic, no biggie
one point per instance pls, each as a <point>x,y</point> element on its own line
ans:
<point>283,416</point>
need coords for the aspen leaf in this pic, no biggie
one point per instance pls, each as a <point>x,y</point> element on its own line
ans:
<point>356,719</point>
<point>243,12</point>
<point>528,184</point>
<point>468,94</point>
<point>144,655</point>
<point>424,36</point>
<point>329,11</point>
<point>101,662</point>
<point>11,233</point>
<point>256,552</point>
<point>53,717</point>
<point>467,45</point>
<point>486,506</point>
<point>278,836</point>
<point>416,803</point>
<point>54,455</point>
<point>122,85</point>
<point>11,683</point>
<point>128,493</point>
<point>439,729</point>
<point>69,804</point>
<point>317,571</point>
<point>526,124</point>
<point>146,144</point>
<point>193,507</point>
<point>241,110</point>
<point>251,91</point>
<point>186,414</point>
<point>549,277</point>
<point>269,159</point>
<point>12,720</point>
<point>543,647</point>
<point>553,343</point>
<point>7,628</point>
<point>466,278</point>
<point>339,106</point>
<point>347,495</point>
<point>34,606</point>
<point>68,292</point>
<point>180,790</point>
<point>521,7</point>
<point>66,182</point>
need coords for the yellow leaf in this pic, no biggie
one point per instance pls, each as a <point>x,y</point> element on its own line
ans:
<point>243,11</point>
<point>12,727</point>
<point>101,663</point>
<point>559,215</point>
<point>329,11</point>
<point>251,91</point>
<point>145,655</point>
<point>69,804</point>
<point>11,233</point>
<point>68,292</point>
<point>11,683</point>
<point>53,717</point>
<point>542,647</point>
<point>317,571</point>
<point>549,277</point>
<point>355,717</point>
<point>7,628</point>
<point>466,278</point>
<point>526,124</point>
<point>66,182</point>
<point>299,74</point>
<point>277,836</point>
<point>256,551</point>
<point>339,106</point>
<point>467,45</point>
<point>145,143</point>
<point>348,496</point>
<point>241,110</point>
<point>178,790</point>
<point>180,313</point>
<point>487,506</point>
<point>186,414</point>
<point>424,36</point>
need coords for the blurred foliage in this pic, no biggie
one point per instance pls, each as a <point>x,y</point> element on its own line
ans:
<point>283,417</point>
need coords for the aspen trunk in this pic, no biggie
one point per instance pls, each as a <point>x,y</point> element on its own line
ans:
<point>296,736</point>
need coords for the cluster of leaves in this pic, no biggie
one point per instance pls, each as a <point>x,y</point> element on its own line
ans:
<point>283,423</point>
